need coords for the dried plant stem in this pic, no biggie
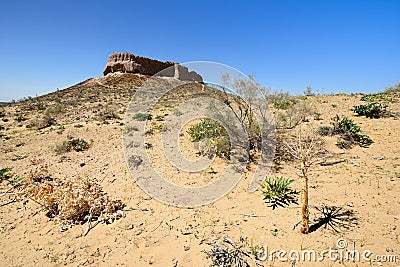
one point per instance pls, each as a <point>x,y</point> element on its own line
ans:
<point>307,150</point>
<point>9,189</point>
<point>304,199</point>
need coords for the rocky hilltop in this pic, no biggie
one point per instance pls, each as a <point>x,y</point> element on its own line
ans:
<point>129,63</point>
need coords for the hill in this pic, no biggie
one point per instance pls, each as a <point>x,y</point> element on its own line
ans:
<point>362,183</point>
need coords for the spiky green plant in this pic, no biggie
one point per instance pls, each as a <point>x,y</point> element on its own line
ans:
<point>277,192</point>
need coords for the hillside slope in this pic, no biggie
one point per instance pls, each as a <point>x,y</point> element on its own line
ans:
<point>365,181</point>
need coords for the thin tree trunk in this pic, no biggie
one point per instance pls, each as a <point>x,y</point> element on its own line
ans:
<point>304,199</point>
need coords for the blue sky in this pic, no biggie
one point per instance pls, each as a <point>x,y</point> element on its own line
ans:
<point>333,46</point>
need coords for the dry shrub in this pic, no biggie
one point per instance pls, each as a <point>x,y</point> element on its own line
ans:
<point>46,121</point>
<point>72,200</point>
<point>281,153</point>
<point>108,113</point>
<point>293,116</point>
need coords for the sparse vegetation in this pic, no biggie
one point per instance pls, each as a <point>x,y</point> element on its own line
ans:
<point>108,114</point>
<point>71,200</point>
<point>277,192</point>
<point>69,197</point>
<point>371,110</point>
<point>228,254</point>
<point>72,144</point>
<point>206,128</point>
<point>317,116</point>
<point>393,89</point>
<point>46,121</point>
<point>293,116</point>
<point>325,130</point>
<point>142,116</point>
<point>212,136</point>
<point>349,130</point>
<point>159,117</point>
<point>177,112</point>
<point>308,91</point>
<point>308,149</point>
<point>3,173</point>
<point>280,99</point>
<point>380,97</point>
<point>219,146</point>
<point>21,117</point>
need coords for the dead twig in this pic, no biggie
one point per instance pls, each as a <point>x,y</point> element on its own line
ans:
<point>89,223</point>
<point>9,202</point>
<point>132,209</point>
<point>252,215</point>
<point>11,188</point>
<point>332,162</point>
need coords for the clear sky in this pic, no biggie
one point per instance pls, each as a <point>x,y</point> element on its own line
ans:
<point>331,45</point>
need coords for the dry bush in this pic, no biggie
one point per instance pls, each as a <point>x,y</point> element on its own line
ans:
<point>293,116</point>
<point>71,200</point>
<point>108,113</point>
<point>228,254</point>
<point>282,154</point>
<point>76,144</point>
<point>46,121</point>
<point>307,148</point>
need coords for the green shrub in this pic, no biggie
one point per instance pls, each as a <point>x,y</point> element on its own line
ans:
<point>282,100</point>
<point>72,144</point>
<point>142,116</point>
<point>377,97</point>
<point>78,144</point>
<point>277,192</point>
<point>283,104</point>
<point>207,128</point>
<point>345,126</point>
<point>370,110</point>
<point>213,137</point>
<point>219,146</point>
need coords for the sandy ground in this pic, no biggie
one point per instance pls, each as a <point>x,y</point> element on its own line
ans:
<point>366,182</point>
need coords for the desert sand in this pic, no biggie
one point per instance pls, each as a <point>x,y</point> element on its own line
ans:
<point>364,180</point>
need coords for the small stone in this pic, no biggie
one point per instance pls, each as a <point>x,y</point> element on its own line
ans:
<point>82,164</point>
<point>186,248</point>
